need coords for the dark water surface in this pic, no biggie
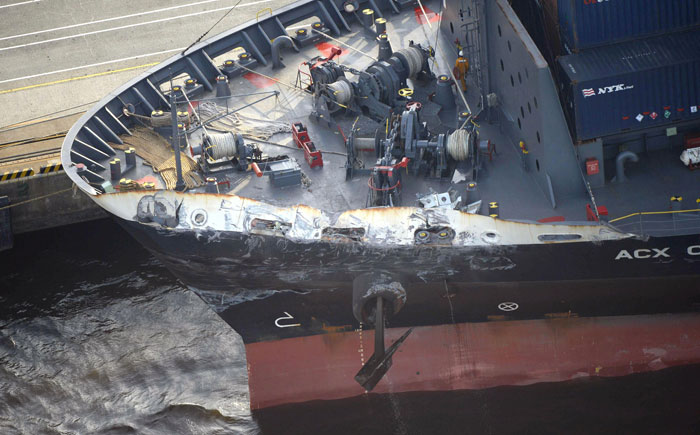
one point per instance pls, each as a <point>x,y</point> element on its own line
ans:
<point>97,337</point>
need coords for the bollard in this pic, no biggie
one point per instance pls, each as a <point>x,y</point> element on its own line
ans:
<point>212,186</point>
<point>380,25</point>
<point>443,93</point>
<point>472,194</point>
<point>115,169</point>
<point>367,18</point>
<point>462,117</point>
<point>130,157</point>
<point>222,89</point>
<point>676,203</point>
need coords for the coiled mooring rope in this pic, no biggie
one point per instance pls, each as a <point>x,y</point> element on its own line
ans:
<point>342,91</point>
<point>458,144</point>
<point>222,145</point>
<point>415,60</point>
<point>250,127</point>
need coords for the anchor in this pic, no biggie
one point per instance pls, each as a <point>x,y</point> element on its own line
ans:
<point>380,361</point>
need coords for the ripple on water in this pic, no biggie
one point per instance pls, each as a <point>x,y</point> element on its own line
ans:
<point>157,362</point>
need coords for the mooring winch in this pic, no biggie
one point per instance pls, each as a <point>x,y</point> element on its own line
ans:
<point>377,91</point>
<point>406,142</point>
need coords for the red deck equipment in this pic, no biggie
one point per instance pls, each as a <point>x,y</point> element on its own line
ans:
<point>301,138</point>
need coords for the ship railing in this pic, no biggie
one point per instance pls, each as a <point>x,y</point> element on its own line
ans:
<point>659,223</point>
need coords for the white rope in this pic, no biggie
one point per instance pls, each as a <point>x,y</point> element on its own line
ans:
<point>425,15</point>
<point>36,198</point>
<point>239,123</point>
<point>415,60</point>
<point>222,145</point>
<point>458,145</point>
<point>341,91</point>
<point>292,87</point>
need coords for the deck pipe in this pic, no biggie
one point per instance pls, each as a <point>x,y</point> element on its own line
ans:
<point>277,44</point>
<point>620,164</point>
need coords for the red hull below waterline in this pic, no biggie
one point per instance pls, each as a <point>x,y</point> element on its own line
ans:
<point>471,356</point>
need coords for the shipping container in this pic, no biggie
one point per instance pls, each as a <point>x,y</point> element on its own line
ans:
<point>632,85</point>
<point>589,23</point>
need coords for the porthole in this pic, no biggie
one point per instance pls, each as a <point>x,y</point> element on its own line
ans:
<point>503,68</point>
<point>538,137</point>
<point>522,112</point>
<point>509,47</point>
<point>520,125</point>
<point>490,237</point>
<point>199,217</point>
<point>452,28</point>
<point>527,74</point>
<point>520,78</point>
<point>529,107</point>
<point>499,31</point>
<point>512,82</point>
<point>535,99</point>
<point>537,164</point>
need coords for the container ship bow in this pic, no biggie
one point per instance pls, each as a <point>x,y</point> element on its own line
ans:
<point>392,196</point>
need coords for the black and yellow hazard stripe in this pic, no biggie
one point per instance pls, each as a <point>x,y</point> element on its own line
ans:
<point>19,173</point>
<point>52,167</point>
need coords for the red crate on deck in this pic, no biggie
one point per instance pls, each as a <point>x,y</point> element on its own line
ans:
<point>301,138</point>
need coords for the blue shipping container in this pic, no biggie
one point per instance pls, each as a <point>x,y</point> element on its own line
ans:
<point>588,23</point>
<point>632,85</point>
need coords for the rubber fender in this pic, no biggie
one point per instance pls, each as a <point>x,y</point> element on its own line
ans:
<point>366,288</point>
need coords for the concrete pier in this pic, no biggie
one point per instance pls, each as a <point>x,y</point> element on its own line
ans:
<point>53,70</point>
<point>32,179</point>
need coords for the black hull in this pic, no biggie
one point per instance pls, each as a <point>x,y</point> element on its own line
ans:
<point>260,284</point>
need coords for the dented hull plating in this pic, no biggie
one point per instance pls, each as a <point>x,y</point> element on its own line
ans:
<point>252,280</point>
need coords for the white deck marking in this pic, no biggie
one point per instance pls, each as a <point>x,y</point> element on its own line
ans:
<point>92,65</point>
<point>19,4</point>
<point>72,26</point>
<point>193,14</point>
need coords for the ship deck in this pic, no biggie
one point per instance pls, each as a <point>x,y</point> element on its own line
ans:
<point>502,178</point>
